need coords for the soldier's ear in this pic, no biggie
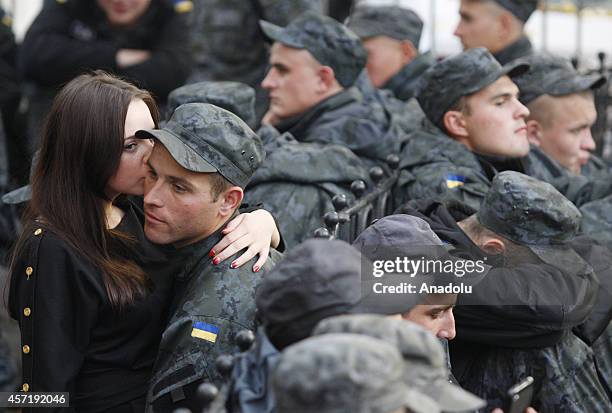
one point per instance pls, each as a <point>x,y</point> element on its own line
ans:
<point>455,124</point>
<point>493,246</point>
<point>327,79</point>
<point>534,132</point>
<point>409,51</point>
<point>231,199</point>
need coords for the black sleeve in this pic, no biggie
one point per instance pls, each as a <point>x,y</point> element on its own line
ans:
<point>170,61</point>
<point>527,305</point>
<point>51,56</point>
<point>55,302</point>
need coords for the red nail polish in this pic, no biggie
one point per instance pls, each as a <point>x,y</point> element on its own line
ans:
<point>233,265</point>
<point>256,269</point>
<point>216,261</point>
<point>212,254</point>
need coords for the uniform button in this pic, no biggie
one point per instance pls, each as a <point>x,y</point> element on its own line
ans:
<point>29,271</point>
<point>27,311</point>
<point>26,349</point>
<point>25,387</point>
<point>38,231</point>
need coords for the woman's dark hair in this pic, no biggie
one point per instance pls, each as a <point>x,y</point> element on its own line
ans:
<point>81,146</point>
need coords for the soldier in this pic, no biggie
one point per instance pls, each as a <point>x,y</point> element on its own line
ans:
<point>345,373</point>
<point>315,280</point>
<point>315,62</point>
<point>562,112</point>
<point>201,162</point>
<point>472,100</point>
<point>391,36</point>
<point>424,358</point>
<point>143,41</point>
<point>518,320</point>
<point>497,25</point>
<point>299,180</point>
<point>228,44</point>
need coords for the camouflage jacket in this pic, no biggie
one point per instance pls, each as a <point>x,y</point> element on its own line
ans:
<point>347,119</point>
<point>521,48</point>
<point>212,304</point>
<point>433,165</point>
<point>408,115</point>
<point>403,84</point>
<point>297,182</point>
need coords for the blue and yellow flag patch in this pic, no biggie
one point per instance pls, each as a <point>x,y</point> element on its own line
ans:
<point>454,181</point>
<point>183,6</point>
<point>205,331</point>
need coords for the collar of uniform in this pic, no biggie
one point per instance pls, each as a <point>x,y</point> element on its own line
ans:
<point>493,164</point>
<point>298,125</point>
<point>199,251</point>
<point>521,48</point>
<point>403,83</point>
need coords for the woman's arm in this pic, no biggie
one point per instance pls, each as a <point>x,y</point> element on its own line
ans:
<point>255,231</point>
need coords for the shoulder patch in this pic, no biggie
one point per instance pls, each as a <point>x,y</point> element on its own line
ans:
<point>454,181</point>
<point>182,6</point>
<point>6,20</point>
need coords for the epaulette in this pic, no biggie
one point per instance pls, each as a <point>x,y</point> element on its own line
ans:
<point>182,6</point>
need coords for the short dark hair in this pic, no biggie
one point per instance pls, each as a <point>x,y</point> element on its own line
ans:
<point>218,185</point>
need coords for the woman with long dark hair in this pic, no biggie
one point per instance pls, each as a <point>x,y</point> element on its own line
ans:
<point>90,292</point>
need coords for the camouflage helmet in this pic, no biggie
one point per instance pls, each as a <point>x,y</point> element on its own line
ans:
<point>461,75</point>
<point>234,97</point>
<point>424,357</point>
<point>522,9</point>
<point>554,76</point>
<point>392,21</point>
<point>327,40</point>
<point>205,138</point>
<point>336,373</point>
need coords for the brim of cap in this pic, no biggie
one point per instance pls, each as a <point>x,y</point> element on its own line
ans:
<point>418,402</point>
<point>180,151</point>
<point>579,84</point>
<point>452,398</point>
<point>18,196</point>
<point>514,69</point>
<point>276,33</point>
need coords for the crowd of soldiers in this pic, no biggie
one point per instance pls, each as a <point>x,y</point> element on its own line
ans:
<point>496,165</point>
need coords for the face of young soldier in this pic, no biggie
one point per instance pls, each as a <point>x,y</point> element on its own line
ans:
<point>496,121</point>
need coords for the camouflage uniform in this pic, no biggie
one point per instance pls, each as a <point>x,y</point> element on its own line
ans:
<point>212,302</point>
<point>500,341</point>
<point>345,118</point>
<point>344,373</point>
<point>298,182</point>
<point>424,357</point>
<point>228,43</point>
<point>522,10</point>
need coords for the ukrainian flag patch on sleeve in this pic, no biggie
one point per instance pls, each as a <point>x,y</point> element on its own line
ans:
<point>183,6</point>
<point>454,181</point>
<point>204,331</point>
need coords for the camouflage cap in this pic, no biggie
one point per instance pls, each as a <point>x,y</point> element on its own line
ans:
<point>392,21</point>
<point>235,97</point>
<point>522,9</point>
<point>317,279</point>
<point>554,76</point>
<point>425,368</point>
<point>205,138</point>
<point>337,373</point>
<point>446,82</point>
<point>532,213</point>
<point>327,40</point>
